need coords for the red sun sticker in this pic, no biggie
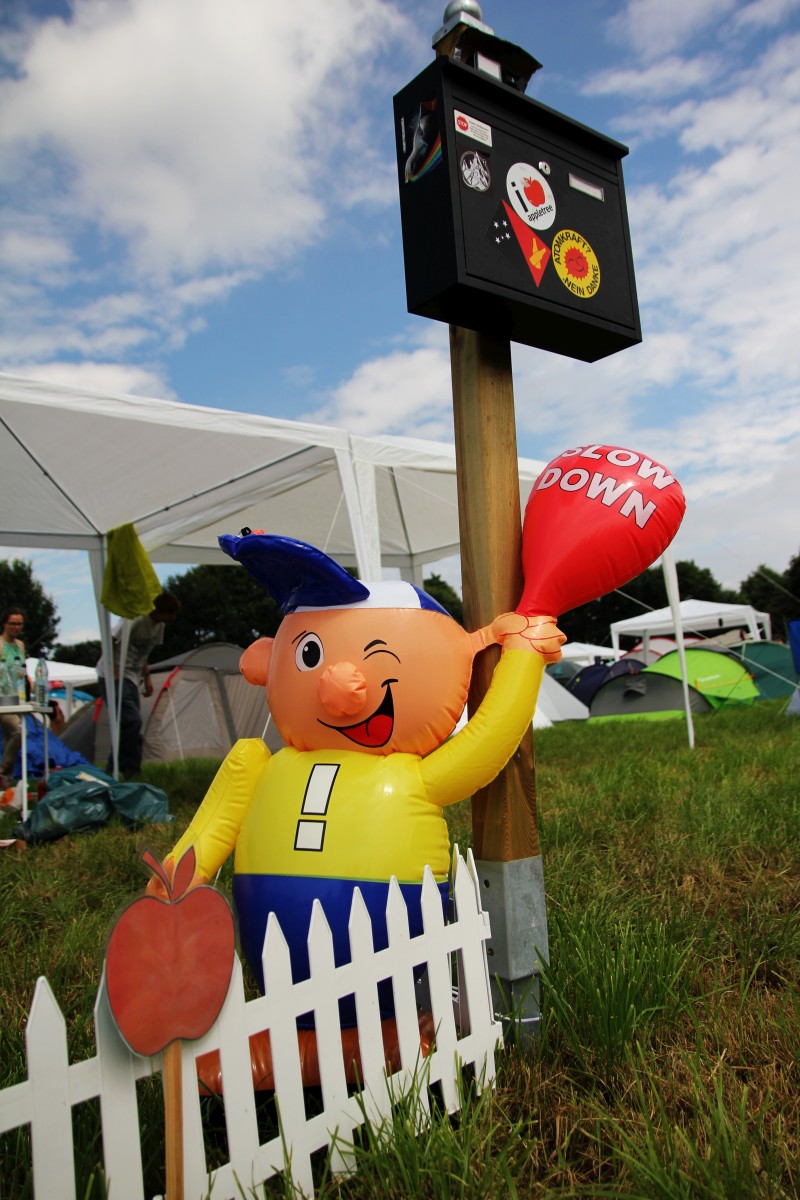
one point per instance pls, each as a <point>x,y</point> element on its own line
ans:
<point>576,263</point>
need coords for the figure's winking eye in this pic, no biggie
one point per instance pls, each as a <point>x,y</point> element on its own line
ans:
<point>309,653</point>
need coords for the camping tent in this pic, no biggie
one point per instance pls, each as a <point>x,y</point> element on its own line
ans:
<point>719,676</point>
<point>584,685</point>
<point>199,707</point>
<point>771,665</point>
<point>656,646</point>
<point>556,704</point>
<point>654,697</point>
<point>696,617</point>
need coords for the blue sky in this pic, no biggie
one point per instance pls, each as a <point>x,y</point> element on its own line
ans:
<point>201,203</point>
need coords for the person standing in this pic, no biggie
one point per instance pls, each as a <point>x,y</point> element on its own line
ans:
<point>12,656</point>
<point>145,634</point>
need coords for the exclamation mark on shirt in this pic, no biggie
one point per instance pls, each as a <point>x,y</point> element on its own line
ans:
<point>310,834</point>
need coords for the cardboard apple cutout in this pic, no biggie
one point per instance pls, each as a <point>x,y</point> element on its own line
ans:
<point>168,967</point>
<point>169,961</point>
<point>597,517</point>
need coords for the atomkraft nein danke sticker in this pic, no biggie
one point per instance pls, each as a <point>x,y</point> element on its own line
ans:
<point>472,127</point>
<point>576,264</point>
<point>531,196</point>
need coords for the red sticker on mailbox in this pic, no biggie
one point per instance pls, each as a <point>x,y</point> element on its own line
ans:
<point>536,252</point>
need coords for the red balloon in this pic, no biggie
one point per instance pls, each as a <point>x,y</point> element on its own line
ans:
<point>597,517</point>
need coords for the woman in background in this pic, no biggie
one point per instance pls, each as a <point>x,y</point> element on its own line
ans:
<point>12,656</point>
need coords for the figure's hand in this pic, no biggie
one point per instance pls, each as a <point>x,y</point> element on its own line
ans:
<point>517,632</point>
<point>156,888</point>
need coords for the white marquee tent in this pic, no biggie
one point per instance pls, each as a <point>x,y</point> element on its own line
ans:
<point>77,464</point>
<point>696,617</point>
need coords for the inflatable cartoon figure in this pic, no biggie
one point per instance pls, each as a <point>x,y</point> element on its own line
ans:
<point>365,683</point>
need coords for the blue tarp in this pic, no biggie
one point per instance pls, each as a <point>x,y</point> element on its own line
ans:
<point>58,754</point>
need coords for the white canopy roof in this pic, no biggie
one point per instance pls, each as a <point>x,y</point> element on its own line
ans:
<point>586,652</point>
<point>70,674</point>
<point>696,616</point>
<point>78,463</point>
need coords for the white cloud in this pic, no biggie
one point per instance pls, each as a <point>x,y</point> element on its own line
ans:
<point>763,14</point>
<point>117,378</point>
<point>655,29</point>
<point>401,392</point>
<point>32,250</point>
<point>657,80</point>
<point>202,133</point>
<point>159,153</point>
<point>733,532</point>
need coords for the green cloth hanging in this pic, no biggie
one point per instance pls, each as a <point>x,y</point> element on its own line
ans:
<point>130,585</point>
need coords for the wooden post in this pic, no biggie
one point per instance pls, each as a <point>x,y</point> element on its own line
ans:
<point>504,813</point>
<point>173,1119</point>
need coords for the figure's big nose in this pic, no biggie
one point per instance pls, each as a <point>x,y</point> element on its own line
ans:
<point>343,689</point>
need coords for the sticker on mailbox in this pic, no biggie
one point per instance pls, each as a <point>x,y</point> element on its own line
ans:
<point>475,170</point>
<point>531,196</point>
<point>576,264</point>
<point>425,152</point>
<point>472,127</point>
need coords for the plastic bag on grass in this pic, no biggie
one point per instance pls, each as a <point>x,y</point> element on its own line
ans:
<point>140,802</point>
<point>84,798</point>
<point>77,809</point>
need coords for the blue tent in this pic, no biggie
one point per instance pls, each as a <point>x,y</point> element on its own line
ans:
<point>590,679</point>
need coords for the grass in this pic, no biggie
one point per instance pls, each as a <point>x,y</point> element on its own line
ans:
<point>669,1061</point>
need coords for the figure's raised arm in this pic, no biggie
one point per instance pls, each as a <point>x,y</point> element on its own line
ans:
<point>471,758</point>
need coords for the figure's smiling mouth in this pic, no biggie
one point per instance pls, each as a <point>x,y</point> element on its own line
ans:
<point>377,729</point>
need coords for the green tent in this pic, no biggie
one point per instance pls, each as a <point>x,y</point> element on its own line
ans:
<point>719,676</point>
<point>771,665</point>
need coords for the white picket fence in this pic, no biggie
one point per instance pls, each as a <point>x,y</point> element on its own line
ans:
<point>466,1033</point>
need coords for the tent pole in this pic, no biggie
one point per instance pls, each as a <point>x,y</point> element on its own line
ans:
<point>673,596</point>
<point>360,497</point>
<point>97,562</point>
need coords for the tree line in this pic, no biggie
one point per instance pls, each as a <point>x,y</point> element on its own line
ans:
<point>223,604</point>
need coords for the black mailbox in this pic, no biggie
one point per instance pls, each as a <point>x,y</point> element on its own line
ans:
<point>513,216</point>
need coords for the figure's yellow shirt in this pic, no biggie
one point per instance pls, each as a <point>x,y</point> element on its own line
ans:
<point>351,815</point>
<point>344,815</point>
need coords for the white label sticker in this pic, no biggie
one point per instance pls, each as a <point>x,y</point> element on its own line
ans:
<point>472,127</point>
<point>531,196</point>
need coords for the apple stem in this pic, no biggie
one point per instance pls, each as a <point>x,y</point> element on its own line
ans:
<point>153,864</point>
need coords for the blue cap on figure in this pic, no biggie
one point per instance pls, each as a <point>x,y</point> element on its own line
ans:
<point>301,577</point>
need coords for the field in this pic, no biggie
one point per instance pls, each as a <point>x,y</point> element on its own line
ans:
<point>669,1061</point>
